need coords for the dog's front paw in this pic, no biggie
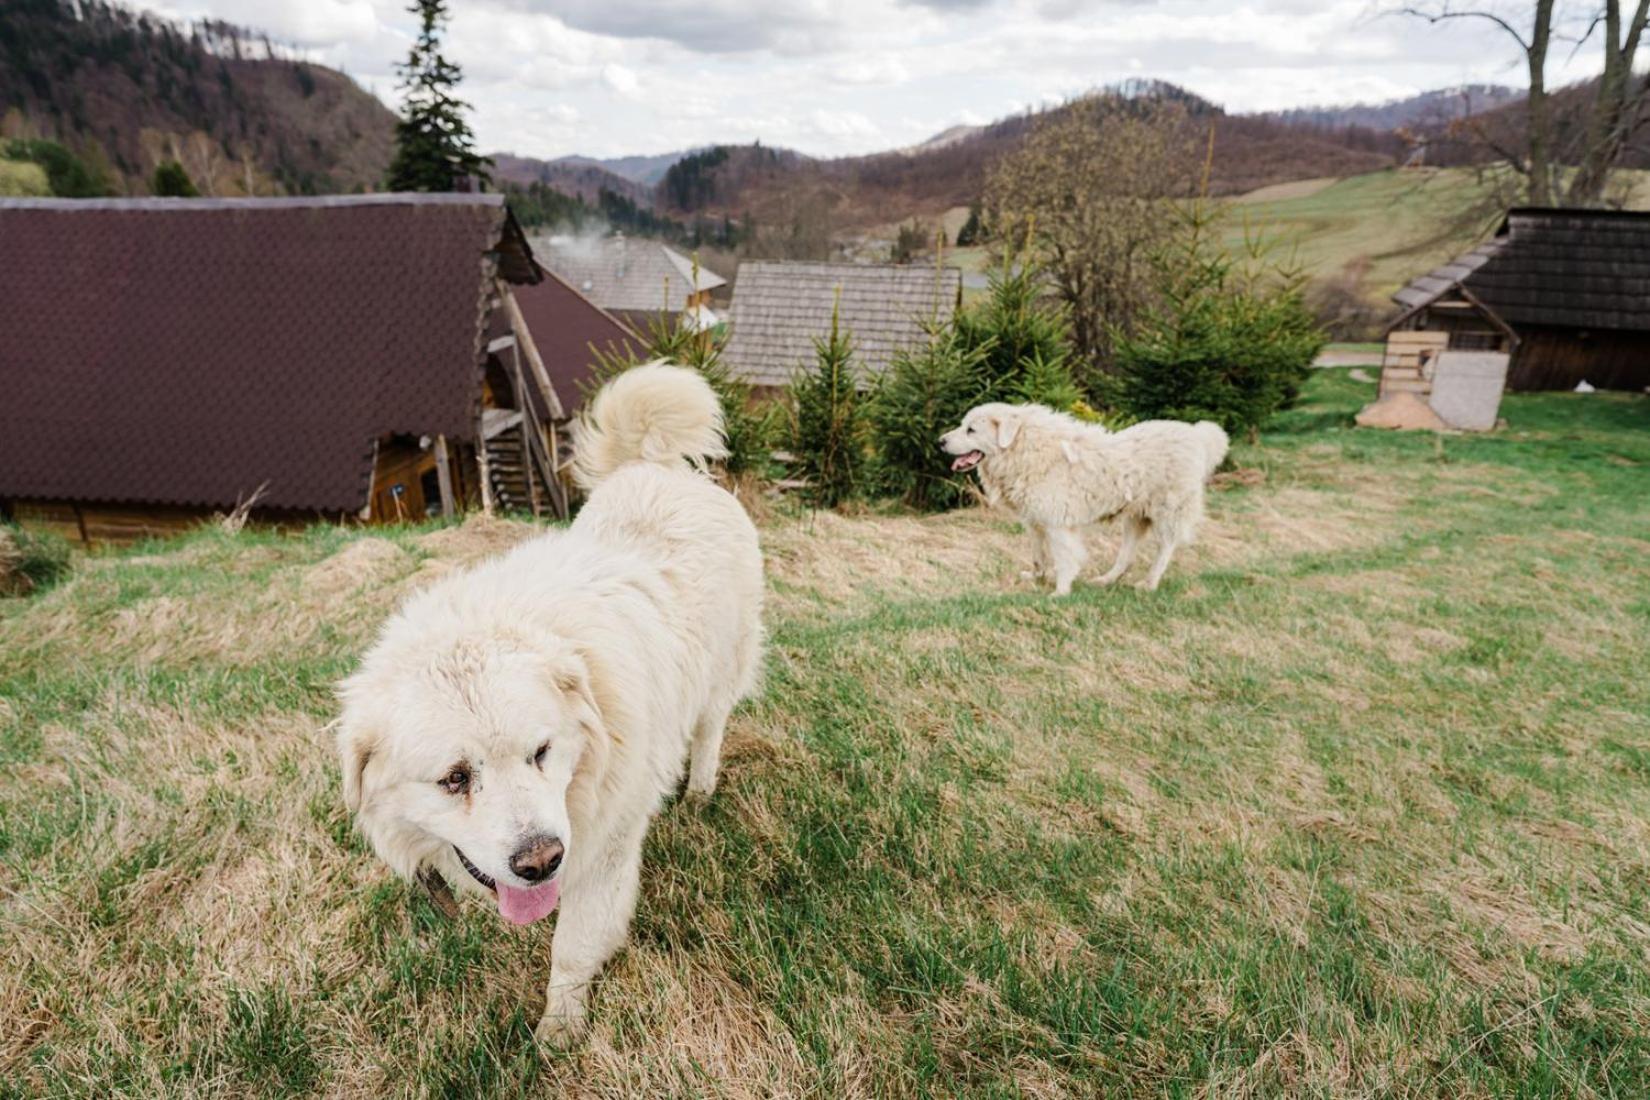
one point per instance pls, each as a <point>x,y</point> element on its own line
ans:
<point>565,1021</point>
<point>559,1031</point>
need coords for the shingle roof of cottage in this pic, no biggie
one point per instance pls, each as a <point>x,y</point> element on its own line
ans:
<point>1567,268</point>
<point>779,309</point>
<point>568,329</point>
<point>187,351</point>
<point>621,273</point>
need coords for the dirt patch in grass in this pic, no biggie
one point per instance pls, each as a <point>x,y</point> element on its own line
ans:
<point>362,562</point>
<point>478,537</point>
<point>825,559</point>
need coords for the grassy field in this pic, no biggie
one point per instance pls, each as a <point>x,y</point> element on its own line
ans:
<point>1393,225</point>
<point>1390,226</point>
<point>1357,805</point>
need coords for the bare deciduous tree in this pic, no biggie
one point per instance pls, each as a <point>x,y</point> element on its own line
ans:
<point>1090,195</point>
<point>1618,107</point>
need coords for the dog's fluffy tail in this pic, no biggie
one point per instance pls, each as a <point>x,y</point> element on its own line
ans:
<point>1214,440</point>
<point>652,413</point>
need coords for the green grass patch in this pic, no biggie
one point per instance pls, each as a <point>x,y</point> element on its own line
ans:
<point>1355,805</point>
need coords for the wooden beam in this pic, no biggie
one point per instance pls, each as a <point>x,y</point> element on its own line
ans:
<point>524,340</point>
<point>444,475</point>
<point>481,465</point>
<point>533,446</point>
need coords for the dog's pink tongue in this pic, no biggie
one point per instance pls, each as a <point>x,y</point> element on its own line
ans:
<point>526,906</point>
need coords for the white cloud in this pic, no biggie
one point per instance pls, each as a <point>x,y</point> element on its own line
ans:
<point>601,77</point>
<point>620,79</point>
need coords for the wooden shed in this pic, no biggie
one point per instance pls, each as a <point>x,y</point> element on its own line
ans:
<point>351,357</point>
<point>1565,292</point>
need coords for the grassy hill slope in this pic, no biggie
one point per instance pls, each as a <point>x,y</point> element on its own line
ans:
<point>1359,804</point>
<point>1381,229</point>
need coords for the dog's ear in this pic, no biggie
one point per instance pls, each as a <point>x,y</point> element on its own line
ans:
<point>1007,428</point>
<point>571,677</point>
<point>358,738</point>
<point>356,744</point>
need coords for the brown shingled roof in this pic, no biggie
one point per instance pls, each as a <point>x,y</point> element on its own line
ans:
<point>172,351</point>
<point>565,326</point>
<point>1568,268</point>
<point>780,308</point>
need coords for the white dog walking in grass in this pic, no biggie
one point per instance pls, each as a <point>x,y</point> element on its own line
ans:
<point>516,727</point>
<point>1061,475</point>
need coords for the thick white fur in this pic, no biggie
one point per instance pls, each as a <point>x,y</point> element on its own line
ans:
<point>622,644</point>
<point>680,417</point>
<point>1061,475</point>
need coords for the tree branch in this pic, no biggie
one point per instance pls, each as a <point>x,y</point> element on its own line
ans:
<point>1440,16</point>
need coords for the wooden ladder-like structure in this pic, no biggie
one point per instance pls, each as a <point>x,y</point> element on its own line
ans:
<point>509,469</point>
<point>1409,361</point>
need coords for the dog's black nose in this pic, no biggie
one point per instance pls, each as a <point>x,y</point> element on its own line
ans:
<point>537,858</point>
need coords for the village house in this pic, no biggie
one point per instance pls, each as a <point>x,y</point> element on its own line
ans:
<point>366,358</point>
<point>1564,293</point>
<point>637,281</point>
<point>780,309</point>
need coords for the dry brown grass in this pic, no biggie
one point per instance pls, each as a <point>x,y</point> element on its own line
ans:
<point>1355,806</point>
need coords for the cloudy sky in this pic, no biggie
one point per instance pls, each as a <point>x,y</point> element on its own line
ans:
<point>832,77</point>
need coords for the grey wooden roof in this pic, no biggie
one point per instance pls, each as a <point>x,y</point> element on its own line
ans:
<point>1566,268</point>
<point>779,309</point>
<point>622,273</point>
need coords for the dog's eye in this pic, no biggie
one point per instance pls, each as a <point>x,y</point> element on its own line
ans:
<point>456,781</point>
<point>538,757</point>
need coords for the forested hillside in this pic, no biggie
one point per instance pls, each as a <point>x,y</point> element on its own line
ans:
<point>125,91</point>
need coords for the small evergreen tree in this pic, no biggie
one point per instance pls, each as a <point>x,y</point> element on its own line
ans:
<point>973,230</point>
<point>923,394</point>
<point>1226,341</point>
<point>434,148</point>
<point>171,181</point>
<point>1024,339</point>
<point>826,434</point>
<point>909,243</point>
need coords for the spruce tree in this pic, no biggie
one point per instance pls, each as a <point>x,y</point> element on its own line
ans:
<point>434,148</point>
<point>172,181</point>
<point>826,430</point>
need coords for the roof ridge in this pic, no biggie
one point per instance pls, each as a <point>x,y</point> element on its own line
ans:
<point>273,202</point>
<point>852,265</point>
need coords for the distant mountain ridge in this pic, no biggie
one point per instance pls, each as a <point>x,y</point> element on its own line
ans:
<point>645,170</point>
<point>1430,109</point>
<point>580,177</point>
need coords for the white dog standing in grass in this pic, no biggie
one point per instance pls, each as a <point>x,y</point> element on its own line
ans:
<point>1061,475</point>
<point>516,727</point>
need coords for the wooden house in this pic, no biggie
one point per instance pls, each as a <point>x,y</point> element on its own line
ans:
<point>780,308</point>
<point>353,357</point>
<point>1565,293</point>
